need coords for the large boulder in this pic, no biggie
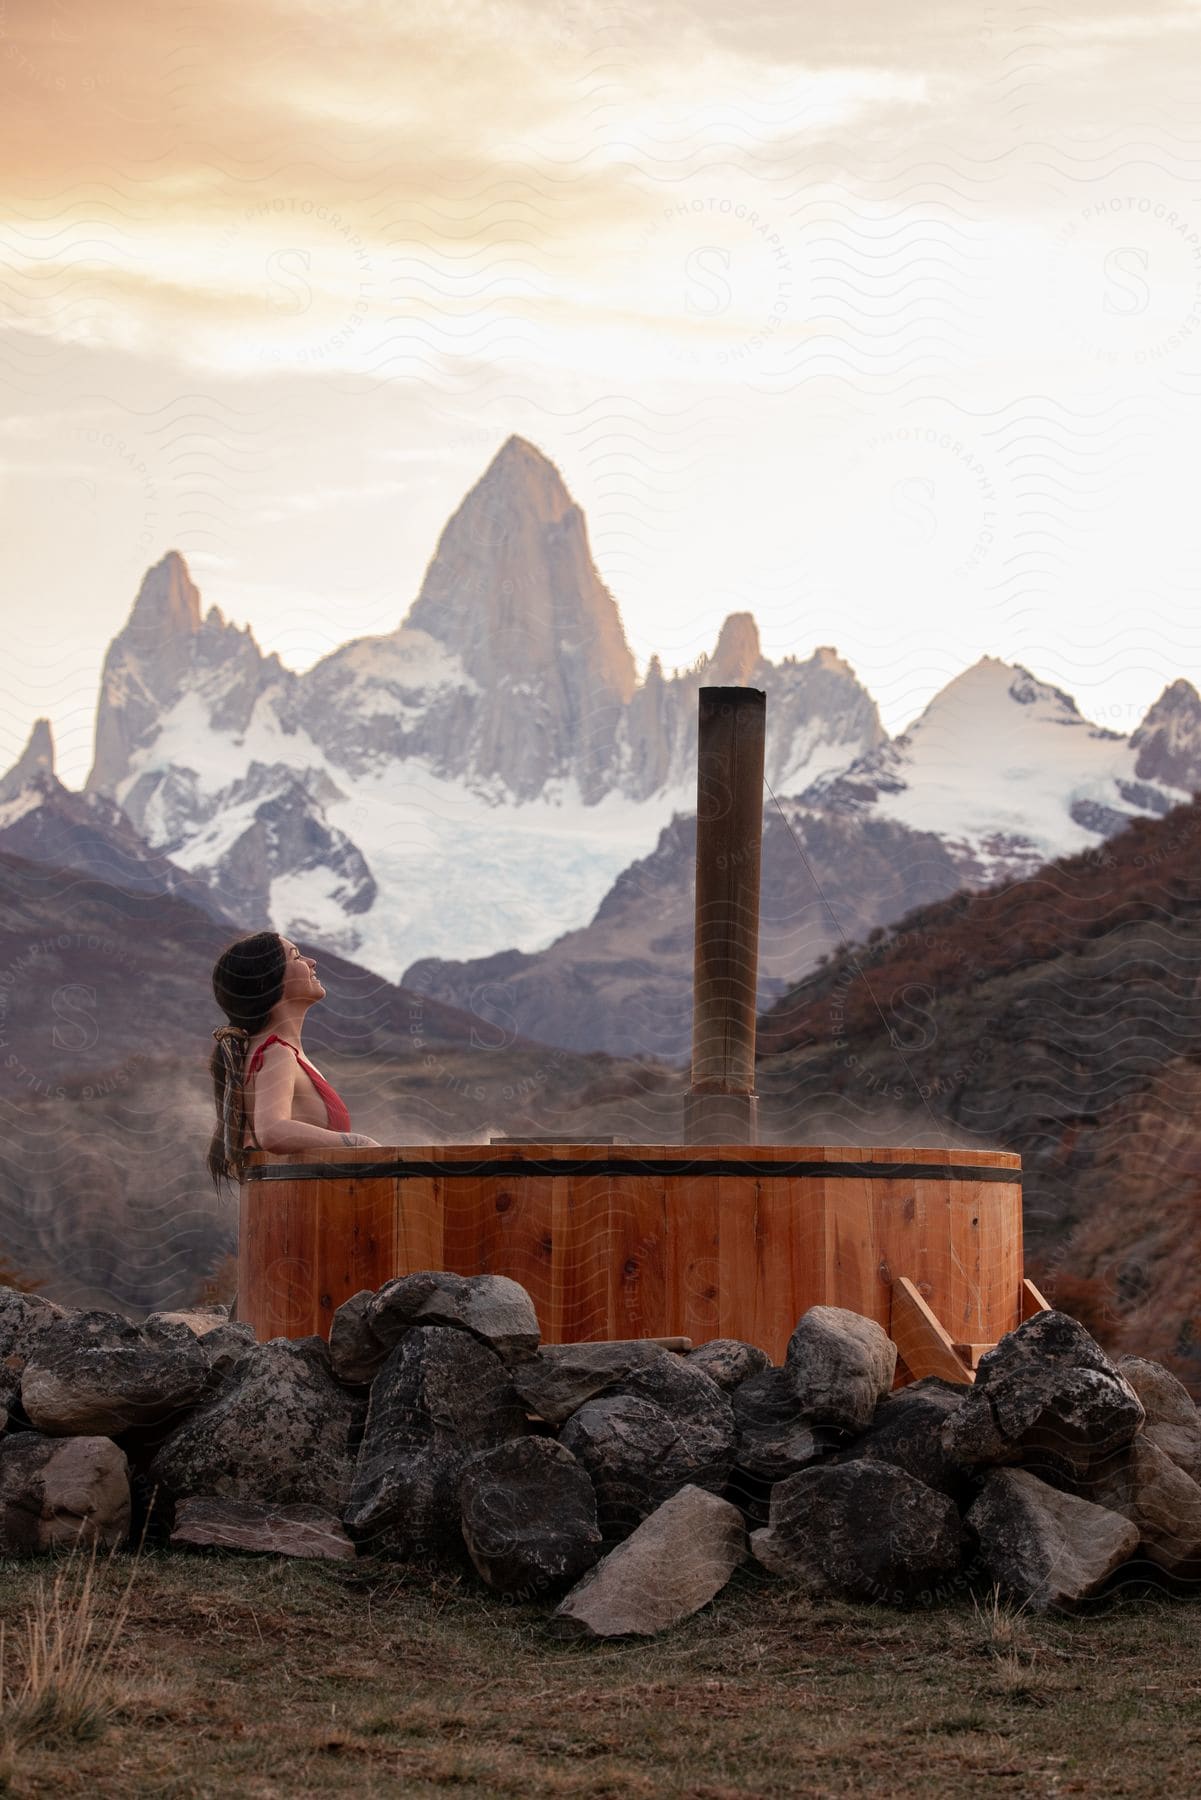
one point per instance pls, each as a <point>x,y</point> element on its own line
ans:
<point>276,1432</point>
<point>208,1523</point>
<point>774,1438</point>
<point>906,1432</point>
<point>673,1564</point>
<point>355,1353</point>
<point>23,1317</point>
<point>1150,1490</point>
<point>636,1453</point>
<point>840,1364</point>
<point>492,1308</point>
<point>1171,1422</point>
<point>700,1411</point>
<point>1048,1548</point>
<point>95,1374</point>
<point>1048,1397</point>
<point>56,1492</point>
<point>728,1361</point>
<point>441,1397</point>
<point>562,1377</point>
<point>861,1529</point>
<point>528,1516</point>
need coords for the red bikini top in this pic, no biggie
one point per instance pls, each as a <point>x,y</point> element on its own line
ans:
<point>335,1106</point>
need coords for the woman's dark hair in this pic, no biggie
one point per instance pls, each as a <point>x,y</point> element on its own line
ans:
<point>248,980</point>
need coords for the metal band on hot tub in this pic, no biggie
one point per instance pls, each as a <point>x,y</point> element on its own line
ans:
<point>404,1168</point>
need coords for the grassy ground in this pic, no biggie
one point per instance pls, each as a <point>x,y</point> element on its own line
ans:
<point>267,1677</point>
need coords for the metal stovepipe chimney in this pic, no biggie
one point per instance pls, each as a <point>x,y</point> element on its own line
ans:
<point>721,1106</point>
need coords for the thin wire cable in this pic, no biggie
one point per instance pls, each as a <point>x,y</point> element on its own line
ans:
<point>939,1126</point>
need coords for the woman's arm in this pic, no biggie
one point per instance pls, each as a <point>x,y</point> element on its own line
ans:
<point>274,1126</point>
<point>294,1134</point>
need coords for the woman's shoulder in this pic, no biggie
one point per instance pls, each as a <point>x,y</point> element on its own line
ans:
<point>265,1046</point>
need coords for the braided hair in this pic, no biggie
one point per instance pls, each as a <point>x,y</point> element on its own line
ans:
<point>248,980</point>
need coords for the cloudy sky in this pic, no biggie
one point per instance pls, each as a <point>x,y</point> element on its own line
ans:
<point>883,324</point>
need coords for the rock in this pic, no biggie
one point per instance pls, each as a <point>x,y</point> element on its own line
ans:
<point>198,1319</point>
<point>223,1349</point>
<point>441,1396</point>
<point>528,1516</point>
<point>561,1377</point>
<point>863,1529</point>
<point>774,1440</point>
<point>700,1411</point>
<point>55,1492</point>
<point>728,1361</point>
<point>1033,1403</point>
<point>95,1373</point>
<point>270,1530</point>
<point>23,1317</point>
<point>355,1353</point>
<point>494,1309</point>
<point>636,1454</point>
<point>1048,1548</point>
<point>906,1432</point>
<point>1146,1487</point>
<point>1172,1422</point>
<point>673,1564</point>
<point>562,1380</point>
<point>1046,1337</point>
<point>275,1433</point>
<point>840,1364</point>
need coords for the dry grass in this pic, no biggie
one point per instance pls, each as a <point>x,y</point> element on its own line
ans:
<point>263,1678</point>
<point>62,1689</point>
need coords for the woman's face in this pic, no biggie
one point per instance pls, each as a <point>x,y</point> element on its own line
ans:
<point>300,975</point>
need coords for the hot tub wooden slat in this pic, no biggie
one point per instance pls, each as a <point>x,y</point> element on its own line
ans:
<point>645,1241</point>
<point>580,1219</point>
<point>636,1257</point>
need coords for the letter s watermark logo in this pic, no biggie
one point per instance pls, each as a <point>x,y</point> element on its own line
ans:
<point>717,297</point>
<point>288,282</point>
<point>911,1012</point>
<point>1133,293</point>
<point>488,1006</point>
<point>913,509</point>
<point>74,1009</point>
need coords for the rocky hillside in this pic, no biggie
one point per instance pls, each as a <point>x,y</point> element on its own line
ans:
<point>43,821</point>
<point>1058,1016</point>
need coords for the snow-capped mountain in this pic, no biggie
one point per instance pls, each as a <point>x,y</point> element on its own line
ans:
<point>477,780</point>
<point>1008,773</point>
<point>474,780</point>
<point>46,823</point>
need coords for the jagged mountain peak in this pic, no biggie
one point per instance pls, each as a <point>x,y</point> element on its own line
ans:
<point>513,561</point>
<point>738,652</point>
<point>169,651</point>
<point>512,592</point>
<point>36,760</point>
<point>520,478</point>
<point>517,451</point>
<point>981,696</point>
<point>1168,741</point>
<point>1179,700</point>
<point>168,599</point>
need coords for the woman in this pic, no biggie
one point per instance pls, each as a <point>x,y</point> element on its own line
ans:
<point>268,1097</point>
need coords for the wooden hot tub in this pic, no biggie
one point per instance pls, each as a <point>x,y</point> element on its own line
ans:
<point>653,1241</point>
